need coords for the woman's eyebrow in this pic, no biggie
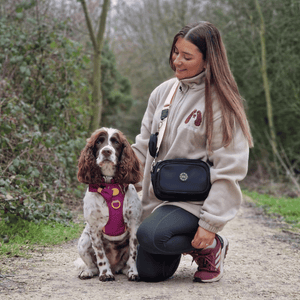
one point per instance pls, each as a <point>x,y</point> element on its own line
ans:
<point>187,53</point>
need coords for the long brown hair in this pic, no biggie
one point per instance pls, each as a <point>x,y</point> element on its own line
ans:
<point>218,74</point>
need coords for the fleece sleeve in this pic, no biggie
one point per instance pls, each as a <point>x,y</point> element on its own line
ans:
<point>230,165</point>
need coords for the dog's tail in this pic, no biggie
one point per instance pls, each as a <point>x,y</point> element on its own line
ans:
<point>79,264</point>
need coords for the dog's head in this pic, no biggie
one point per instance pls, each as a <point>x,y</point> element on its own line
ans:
<point>108,153</point>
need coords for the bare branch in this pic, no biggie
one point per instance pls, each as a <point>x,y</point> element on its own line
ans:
<point>89,24</point>
<point>102,23</point>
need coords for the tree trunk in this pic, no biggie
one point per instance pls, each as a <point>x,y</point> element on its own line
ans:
<point>97,101</point>
<point>266,81</point>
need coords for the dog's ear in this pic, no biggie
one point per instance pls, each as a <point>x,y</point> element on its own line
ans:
<point>88,171</point>
<point>86,164</point>
<point>129,169</point>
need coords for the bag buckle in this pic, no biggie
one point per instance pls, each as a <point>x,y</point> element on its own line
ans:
<point>152,165</point>
<point>160,124</point>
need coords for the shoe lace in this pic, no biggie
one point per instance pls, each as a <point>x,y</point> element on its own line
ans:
<point>204,261</point>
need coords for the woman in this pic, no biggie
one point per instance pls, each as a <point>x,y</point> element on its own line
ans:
<point>206,120</point>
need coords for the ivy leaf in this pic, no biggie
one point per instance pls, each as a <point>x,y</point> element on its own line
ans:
<point>86,59</point>
<point>16,162</point>
<point>19,9</point>
<point>23,69</point>
<point>19,15</point>
<point>35,173</point>
<point>9,197</point>
<point>53,45</point>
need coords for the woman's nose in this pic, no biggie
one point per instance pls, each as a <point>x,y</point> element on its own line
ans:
<point>177,61</point>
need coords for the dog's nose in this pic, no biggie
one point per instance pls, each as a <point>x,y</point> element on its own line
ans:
<point>106,152</point>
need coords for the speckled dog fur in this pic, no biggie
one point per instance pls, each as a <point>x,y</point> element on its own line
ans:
<point>109,155</point>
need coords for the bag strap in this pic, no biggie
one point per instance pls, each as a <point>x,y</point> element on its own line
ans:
<point>164,115</point>
<point>163,121</point>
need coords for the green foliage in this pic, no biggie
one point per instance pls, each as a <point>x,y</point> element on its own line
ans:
<point>116,91</point>
<point>42,128</point>
<point>239,23</point>
<point>21,236</point>
<point>289,208</point>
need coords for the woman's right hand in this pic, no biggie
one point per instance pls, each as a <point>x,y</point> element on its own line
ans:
<point>203,238</point>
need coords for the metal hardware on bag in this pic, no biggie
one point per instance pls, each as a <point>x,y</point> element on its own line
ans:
<point>164,113</point>
<point>183,177</point>
<point>160,124</point>
<point>152,165</point>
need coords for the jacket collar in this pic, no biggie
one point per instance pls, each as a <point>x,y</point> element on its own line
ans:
<point>196,82</point>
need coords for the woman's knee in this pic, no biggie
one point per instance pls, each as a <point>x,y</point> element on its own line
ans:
<point>156,267</point>
<point>151,237</point>
<point>144,235</point>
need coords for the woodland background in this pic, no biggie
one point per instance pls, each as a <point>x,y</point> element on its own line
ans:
<point>47,78</point>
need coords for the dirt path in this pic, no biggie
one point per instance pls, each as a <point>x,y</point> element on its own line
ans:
<point>262,263</point>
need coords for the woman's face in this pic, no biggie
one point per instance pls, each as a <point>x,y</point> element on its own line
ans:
<point>187,59</point>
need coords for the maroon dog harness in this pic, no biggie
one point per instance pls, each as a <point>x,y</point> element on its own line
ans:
<point>114,194</point>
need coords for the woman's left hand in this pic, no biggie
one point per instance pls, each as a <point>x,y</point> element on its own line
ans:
<point>203,238</point>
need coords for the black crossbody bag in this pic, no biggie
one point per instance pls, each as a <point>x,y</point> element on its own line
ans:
<point>177,179</point>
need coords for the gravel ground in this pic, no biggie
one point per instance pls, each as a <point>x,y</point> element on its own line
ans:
<point>262,263</point>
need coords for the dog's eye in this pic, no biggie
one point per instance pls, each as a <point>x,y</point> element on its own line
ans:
<point>100,140</point>
<point>114,141</point>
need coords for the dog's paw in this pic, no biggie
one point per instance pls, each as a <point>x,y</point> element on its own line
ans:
<point>106,275</point>
<point>87,274</point>
<point>132,275</point>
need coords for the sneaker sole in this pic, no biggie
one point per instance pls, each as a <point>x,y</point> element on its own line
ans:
<point>223,256</point>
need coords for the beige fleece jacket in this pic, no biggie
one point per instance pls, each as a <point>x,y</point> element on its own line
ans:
<point>185,138</point>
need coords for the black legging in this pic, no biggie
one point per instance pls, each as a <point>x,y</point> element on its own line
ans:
<point>163,236</point>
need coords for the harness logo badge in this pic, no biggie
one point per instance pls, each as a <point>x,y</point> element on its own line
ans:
<point>183,177</point>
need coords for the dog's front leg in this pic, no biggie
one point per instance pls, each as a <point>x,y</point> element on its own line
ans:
<point>105,273</point>
<point>132,216</point>
<point>132,273</point>
<point>87,254</point>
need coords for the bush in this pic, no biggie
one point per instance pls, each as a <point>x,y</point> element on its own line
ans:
<point>41,121</point>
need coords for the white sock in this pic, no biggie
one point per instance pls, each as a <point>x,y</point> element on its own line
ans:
<point>213,245</point>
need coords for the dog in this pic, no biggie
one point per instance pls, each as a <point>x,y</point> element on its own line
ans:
<point>112,208</point>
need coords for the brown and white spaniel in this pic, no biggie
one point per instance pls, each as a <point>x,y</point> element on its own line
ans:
<point>112,208</point>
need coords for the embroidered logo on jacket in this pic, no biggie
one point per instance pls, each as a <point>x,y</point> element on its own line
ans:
<point>196,115</point>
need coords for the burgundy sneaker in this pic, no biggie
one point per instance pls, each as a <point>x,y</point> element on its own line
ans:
<point>211,261</point>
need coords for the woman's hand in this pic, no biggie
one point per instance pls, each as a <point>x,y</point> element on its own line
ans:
<point>203,238</point>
